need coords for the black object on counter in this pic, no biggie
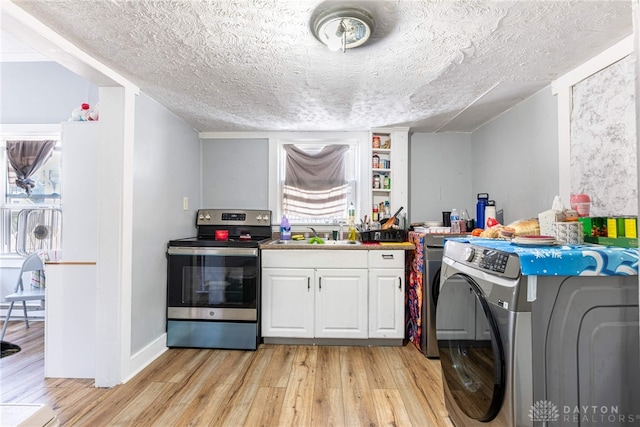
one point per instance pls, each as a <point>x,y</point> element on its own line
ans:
<point>446,218</point>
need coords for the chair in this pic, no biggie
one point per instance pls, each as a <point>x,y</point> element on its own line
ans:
<point>31,263</point>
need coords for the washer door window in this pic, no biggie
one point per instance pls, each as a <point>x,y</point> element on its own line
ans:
<point>472,367</point>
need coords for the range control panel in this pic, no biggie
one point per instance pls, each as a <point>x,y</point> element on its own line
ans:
<point>233,217</point>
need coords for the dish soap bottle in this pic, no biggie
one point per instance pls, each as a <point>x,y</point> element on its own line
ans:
<point>285,229</point>
<point>352,223</point>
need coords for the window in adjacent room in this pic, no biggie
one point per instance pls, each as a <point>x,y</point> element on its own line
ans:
<point>44,189</point>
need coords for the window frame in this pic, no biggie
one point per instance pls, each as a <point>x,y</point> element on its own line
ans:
<point>356,140</point>
<point>25,132</point>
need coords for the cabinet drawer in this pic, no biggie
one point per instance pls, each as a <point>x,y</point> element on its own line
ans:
<point>386,259</point>
<point>314,258</point>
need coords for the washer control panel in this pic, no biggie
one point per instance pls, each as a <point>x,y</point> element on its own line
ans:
<point>493,260</point>
<point>490,260</point>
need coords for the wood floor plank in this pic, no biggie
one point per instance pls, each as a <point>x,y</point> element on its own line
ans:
<point>328,372</point>
<point>189,388</point>
<point>328,408</point>
<point>212,395</point>
<point>358,400</point>
<point>390,408</point>
<point>279,368</point>
<point>328,400</point>
<point>377,368</point>
<point>277,385</point>
<point>298,399</point>
<point>425,380</point>
<point>412,396</point>
<point>266,407</point>
<point>137,410</point>
<point>235,409</point>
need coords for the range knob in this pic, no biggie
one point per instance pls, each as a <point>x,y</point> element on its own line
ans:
<point>259,218</point>
<point>468,253</point>
<point>200,217</point>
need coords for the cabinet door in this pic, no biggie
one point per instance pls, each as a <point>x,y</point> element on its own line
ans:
<point>386,303</point>
<point>287,302</point>
<point>341,303</point>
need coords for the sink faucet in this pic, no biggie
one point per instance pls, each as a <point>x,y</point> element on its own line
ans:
<point>315,233</point>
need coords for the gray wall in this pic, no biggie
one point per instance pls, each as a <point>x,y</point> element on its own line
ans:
<point>167,168</point>
<point>440,175</point>
<point>41,92</point>
<point>515,158</point>
<point>235,173</point>
<point>38,93</point>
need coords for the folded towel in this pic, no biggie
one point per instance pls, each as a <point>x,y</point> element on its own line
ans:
<point>38,277</point>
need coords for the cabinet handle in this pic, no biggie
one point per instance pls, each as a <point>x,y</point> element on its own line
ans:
<point>387,256</point>
<point>399,282</point>
<point>319,283</point>
<point>308,283</point>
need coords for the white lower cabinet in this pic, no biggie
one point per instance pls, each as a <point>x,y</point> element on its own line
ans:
<point>341,303</point>
<point>288,302</point>
<point>386,303</point>
<point>332,294</point>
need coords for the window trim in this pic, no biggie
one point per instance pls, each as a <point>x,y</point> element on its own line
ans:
<point>24,132</point>
<point>358,140</point>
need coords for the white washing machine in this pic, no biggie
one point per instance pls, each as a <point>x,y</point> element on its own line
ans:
<point>483,327</point>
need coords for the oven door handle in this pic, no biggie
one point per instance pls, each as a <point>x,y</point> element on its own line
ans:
<point>246,252</point>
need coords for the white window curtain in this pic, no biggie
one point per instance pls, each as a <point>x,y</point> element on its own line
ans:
<point>26,157</point>
<point>315,183</point>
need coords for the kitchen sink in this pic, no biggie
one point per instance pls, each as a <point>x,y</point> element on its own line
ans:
<point>306,242</point>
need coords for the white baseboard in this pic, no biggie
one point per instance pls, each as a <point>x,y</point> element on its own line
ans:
<point>144,357</point>
<point>18,313</point>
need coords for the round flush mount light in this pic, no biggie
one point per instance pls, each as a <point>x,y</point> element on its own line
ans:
<point>343,27</point>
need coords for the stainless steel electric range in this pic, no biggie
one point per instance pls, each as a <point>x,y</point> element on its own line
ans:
<point>213,281</point>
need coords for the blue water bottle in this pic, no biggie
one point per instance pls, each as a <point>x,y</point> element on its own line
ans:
<point>483,198</point>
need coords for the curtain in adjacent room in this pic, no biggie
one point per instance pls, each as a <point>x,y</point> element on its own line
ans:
<point>26,157</point>
<point>315,183</point>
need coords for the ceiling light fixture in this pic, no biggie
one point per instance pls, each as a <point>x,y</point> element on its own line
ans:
<point>343,27</point>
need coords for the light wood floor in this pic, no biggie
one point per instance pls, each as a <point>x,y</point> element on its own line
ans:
<point>277,385</point>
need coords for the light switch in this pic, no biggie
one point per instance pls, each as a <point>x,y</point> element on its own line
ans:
<point>185,203</point>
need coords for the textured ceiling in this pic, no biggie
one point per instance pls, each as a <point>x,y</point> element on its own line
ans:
<point>251,65</point>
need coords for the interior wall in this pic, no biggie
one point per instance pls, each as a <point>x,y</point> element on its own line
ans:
<point>603,132</point>
<point>166,169</point>
<point>41,92</point>
<point>235,173</point>
<point>515,158</point>
<point>440,178</point>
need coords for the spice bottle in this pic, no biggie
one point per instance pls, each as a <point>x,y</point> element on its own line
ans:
<point>375,164</point>
<point>376,181</point>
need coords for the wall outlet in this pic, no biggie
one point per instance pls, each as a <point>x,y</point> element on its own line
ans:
<point>185,203</point>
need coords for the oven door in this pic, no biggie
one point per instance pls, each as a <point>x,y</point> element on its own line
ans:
<point>213,283</point>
